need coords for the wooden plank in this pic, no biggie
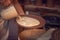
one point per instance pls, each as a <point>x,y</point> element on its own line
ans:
<point>47,14</point>
<point>40,7</point>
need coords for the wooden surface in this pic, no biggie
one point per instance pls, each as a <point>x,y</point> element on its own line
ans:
<point>33,6</point>
<point>51,15</point>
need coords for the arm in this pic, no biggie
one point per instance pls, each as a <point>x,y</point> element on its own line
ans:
<point>18,8</point>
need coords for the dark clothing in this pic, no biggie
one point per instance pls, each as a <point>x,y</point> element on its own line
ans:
<point>13,30</point>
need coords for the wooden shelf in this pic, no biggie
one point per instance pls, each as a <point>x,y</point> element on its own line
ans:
<point>51,15</point>
<point>40,7</point>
